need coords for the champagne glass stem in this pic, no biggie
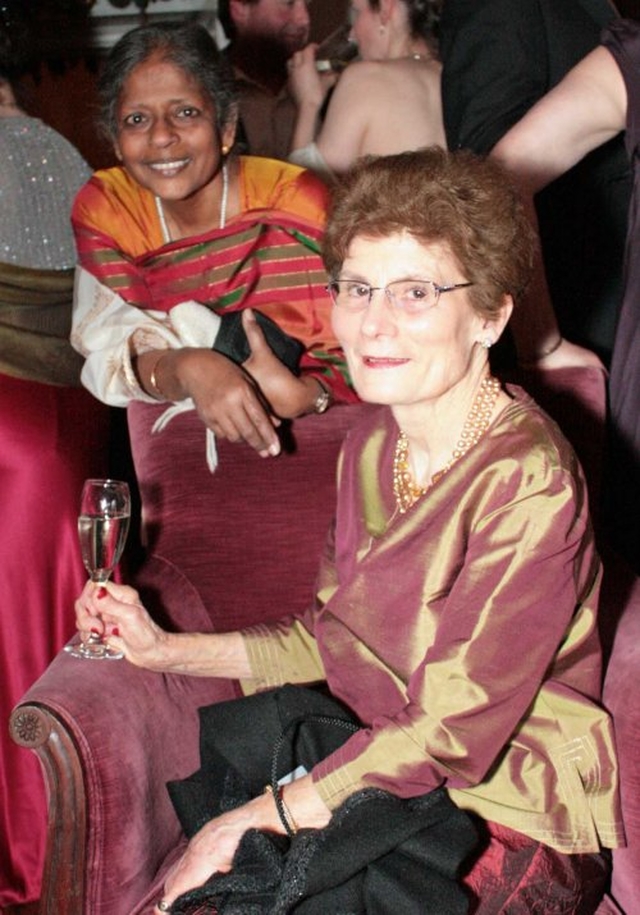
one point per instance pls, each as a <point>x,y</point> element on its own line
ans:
<point>102,528</point>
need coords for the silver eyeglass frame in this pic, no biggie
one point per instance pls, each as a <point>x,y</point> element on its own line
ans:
<point>333,289</point>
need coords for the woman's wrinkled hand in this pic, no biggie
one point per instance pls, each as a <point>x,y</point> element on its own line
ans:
<point>115,611</point>
<point>213,848</point>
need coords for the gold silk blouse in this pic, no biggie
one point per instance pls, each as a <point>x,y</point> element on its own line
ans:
<point>464,634</point>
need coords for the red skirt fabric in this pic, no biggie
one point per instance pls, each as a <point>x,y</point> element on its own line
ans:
<point>51,439</point>
<point>515,875</point>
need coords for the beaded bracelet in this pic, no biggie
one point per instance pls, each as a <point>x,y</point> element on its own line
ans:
<point>286,817</point>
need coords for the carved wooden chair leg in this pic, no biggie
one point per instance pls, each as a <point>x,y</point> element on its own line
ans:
<point>38,729</point>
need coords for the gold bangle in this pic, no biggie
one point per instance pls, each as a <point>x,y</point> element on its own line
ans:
<point>154,387</point>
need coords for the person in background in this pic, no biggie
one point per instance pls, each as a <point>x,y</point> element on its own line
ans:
<point>454,495</point>
<point>387,102</point>
<point>53,435</point>
<point>596,101</point>
<point>263,34</point>
<point>499,58</point>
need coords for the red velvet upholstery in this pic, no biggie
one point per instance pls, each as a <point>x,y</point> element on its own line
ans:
<point>250,535</point>
<point>621,692</point>
<point>239,546</point>
<point>576,399</point>
<point>246,540</point>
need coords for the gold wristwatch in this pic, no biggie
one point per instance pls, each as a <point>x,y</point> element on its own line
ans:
<point>322,401</point>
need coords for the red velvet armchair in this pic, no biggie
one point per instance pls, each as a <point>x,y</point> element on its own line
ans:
<point>109,735</point>
<point>225,550</point>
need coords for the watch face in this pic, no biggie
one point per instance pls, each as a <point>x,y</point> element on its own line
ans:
<point>322,401</point>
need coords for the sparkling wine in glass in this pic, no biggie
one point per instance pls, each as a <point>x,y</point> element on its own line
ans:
<point>103,524</point>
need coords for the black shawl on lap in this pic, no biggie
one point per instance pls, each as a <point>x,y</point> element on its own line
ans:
<point>379,854</point>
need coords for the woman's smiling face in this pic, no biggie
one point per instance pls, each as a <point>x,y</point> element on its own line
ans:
<point>407,360</point>
<point>168,138</point>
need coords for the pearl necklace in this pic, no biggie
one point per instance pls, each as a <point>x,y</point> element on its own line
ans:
<point>166,234</point>
<point>475,425</point>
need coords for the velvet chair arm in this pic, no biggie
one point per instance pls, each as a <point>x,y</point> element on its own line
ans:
<point>621,603</point>
<point>109,736</point>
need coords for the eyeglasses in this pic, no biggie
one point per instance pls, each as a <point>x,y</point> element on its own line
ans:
<point>411,297</point>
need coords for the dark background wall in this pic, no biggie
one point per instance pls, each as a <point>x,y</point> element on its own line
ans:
<point>63,94</point>
<point>630,8</point>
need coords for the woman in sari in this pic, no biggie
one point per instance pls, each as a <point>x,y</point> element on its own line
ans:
<point>174,245</point>
<point>456,607</point>
<point>184,223</point>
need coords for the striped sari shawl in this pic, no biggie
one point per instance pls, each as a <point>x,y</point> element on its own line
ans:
<point>267,257</point>
<point>268,260</point>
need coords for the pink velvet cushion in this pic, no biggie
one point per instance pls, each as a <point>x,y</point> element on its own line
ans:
<point>621,691</point>
<point>576,398</point>
<point>249,536</point>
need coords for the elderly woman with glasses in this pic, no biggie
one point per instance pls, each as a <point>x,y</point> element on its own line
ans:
<point>456,605</point>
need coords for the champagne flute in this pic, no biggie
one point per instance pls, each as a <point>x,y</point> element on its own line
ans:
<point>103,524</point>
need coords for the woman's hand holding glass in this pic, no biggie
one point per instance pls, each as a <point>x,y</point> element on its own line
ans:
<point>115,612</point>
<point>103,525</point>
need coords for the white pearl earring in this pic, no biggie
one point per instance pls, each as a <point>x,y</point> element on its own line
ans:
<point>487,343</point>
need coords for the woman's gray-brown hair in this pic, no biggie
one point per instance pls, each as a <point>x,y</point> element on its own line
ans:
<point>188,46</point>
<point>456,198</point>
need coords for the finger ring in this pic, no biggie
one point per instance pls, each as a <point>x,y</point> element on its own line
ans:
<point>163,905</point>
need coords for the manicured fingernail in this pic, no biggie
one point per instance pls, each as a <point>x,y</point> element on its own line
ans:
<point>115,631</point>
<point>101,592</point>
<point>95,632</point>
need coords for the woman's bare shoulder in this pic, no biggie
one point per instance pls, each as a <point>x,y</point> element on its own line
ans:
<point>380,74</point>
<point>362,73</point>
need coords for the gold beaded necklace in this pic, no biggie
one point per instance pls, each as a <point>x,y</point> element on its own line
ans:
<point>475,425</point>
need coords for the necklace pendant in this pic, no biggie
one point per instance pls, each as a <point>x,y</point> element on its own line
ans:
<point>224,202</point>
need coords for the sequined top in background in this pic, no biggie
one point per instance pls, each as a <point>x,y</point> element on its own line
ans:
<point>41,173</point>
